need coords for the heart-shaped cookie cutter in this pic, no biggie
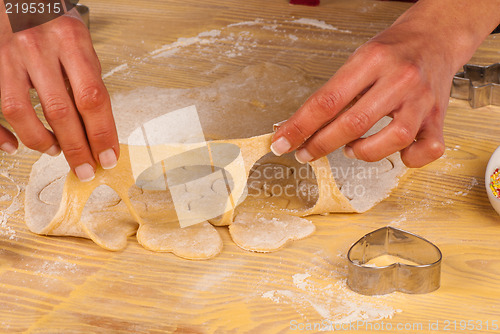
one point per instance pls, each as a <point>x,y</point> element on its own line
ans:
<point>367,279</point>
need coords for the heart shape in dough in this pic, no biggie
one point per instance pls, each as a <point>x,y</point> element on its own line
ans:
<point>267,232</point>
<point>195,242</point>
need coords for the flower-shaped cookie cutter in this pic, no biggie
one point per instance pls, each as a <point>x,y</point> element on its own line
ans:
<point>422,277</point>
<point>478,84</point>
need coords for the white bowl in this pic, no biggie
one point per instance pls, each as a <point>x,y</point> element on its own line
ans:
<point>493,164</point>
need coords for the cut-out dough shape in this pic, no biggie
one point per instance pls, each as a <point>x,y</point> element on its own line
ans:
<point>268,232</point>
<point>161,232</point>
<point>152,213</point>
<point>196,242</point>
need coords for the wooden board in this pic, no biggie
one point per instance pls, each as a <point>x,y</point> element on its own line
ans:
<point>70,285</point>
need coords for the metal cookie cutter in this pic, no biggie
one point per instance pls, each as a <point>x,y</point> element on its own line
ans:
<point>478,84</point>
<point>422,277</point>
<point>82,10</point>
<point>84,13</point>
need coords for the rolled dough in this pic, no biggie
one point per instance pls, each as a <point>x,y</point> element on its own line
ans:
<point>238,110</point>
<point>267,232</point>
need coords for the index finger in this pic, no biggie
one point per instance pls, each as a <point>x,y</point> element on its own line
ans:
<point>94,105</point>
<point>321,107</point>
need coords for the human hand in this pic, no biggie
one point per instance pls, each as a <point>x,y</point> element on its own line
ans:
<point>398,76</point>
<point>41,57</point>
<point>404,72</point>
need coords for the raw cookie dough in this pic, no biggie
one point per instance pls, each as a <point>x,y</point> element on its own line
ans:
<point>106,218</point>
<point>238,110</point>
<point>267,232</point>
<point>196,242</point>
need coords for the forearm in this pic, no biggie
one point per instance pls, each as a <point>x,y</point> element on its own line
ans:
<point>404,72</point>
<point>453,28</point>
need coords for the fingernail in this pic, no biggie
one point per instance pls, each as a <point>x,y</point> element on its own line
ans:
<point>280,146</point>
<point>349,152</point>
<point>9,148</point>
<point>85,172</point>
<point>54,150</point>
<point>303,156</point>
<point>108,159</point>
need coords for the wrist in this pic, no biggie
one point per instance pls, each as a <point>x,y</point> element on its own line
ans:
<point>452,28</point>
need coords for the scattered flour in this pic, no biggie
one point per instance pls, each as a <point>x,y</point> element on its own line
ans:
<point>114,70</point>
<point>216,36</point>
<point>334,303</point>
<point>272,27</point>
<point>468,187</point>
<point>5,229</point>
<point>14,206</point>
<point>397,221</point>
<point>246,23</point>
<point>299,280</point>
<point>57,267</point>
<point>206,37</point>
<point>319,24</point>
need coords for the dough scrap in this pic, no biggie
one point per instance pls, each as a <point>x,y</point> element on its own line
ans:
<point>268,232</point>
<point>245,111</point>
<point>106,218</point>
<point>101,220</point>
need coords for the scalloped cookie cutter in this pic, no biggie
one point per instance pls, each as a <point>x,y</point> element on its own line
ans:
<point>423,276</point>
<point>478,84</point>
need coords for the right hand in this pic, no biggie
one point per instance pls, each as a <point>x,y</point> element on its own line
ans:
<point>394,77</point>
<point>404,72</point>
<point>41,58</point>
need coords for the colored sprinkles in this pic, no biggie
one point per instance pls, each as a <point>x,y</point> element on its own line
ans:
<point>495,183</point>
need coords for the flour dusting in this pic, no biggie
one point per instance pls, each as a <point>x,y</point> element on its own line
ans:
<point>57,267</point>
<point>231,37</point>
<point>114,70</point>
<point>299,280</point>
<point>319,24</point>
<point>334,303</point>
<point>14,205</point>
<point>246,23</point>
<point>206,37</point>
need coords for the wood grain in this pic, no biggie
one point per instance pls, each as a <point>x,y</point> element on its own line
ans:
<point>70,285</point>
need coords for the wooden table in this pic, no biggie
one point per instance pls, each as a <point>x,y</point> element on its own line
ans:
<point>70,285</point>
